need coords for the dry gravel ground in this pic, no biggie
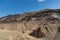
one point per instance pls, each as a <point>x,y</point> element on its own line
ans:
<point>14,35</point>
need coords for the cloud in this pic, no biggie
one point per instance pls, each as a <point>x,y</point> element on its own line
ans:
<point>41,0</point>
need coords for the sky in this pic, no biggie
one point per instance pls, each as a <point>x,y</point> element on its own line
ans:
<point>8,7</point>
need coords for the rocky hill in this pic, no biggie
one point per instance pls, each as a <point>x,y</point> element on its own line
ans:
<point>40,25</point>
<point>30,16</point>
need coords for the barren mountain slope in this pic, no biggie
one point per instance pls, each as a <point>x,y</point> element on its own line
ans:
<point>41,25</point>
